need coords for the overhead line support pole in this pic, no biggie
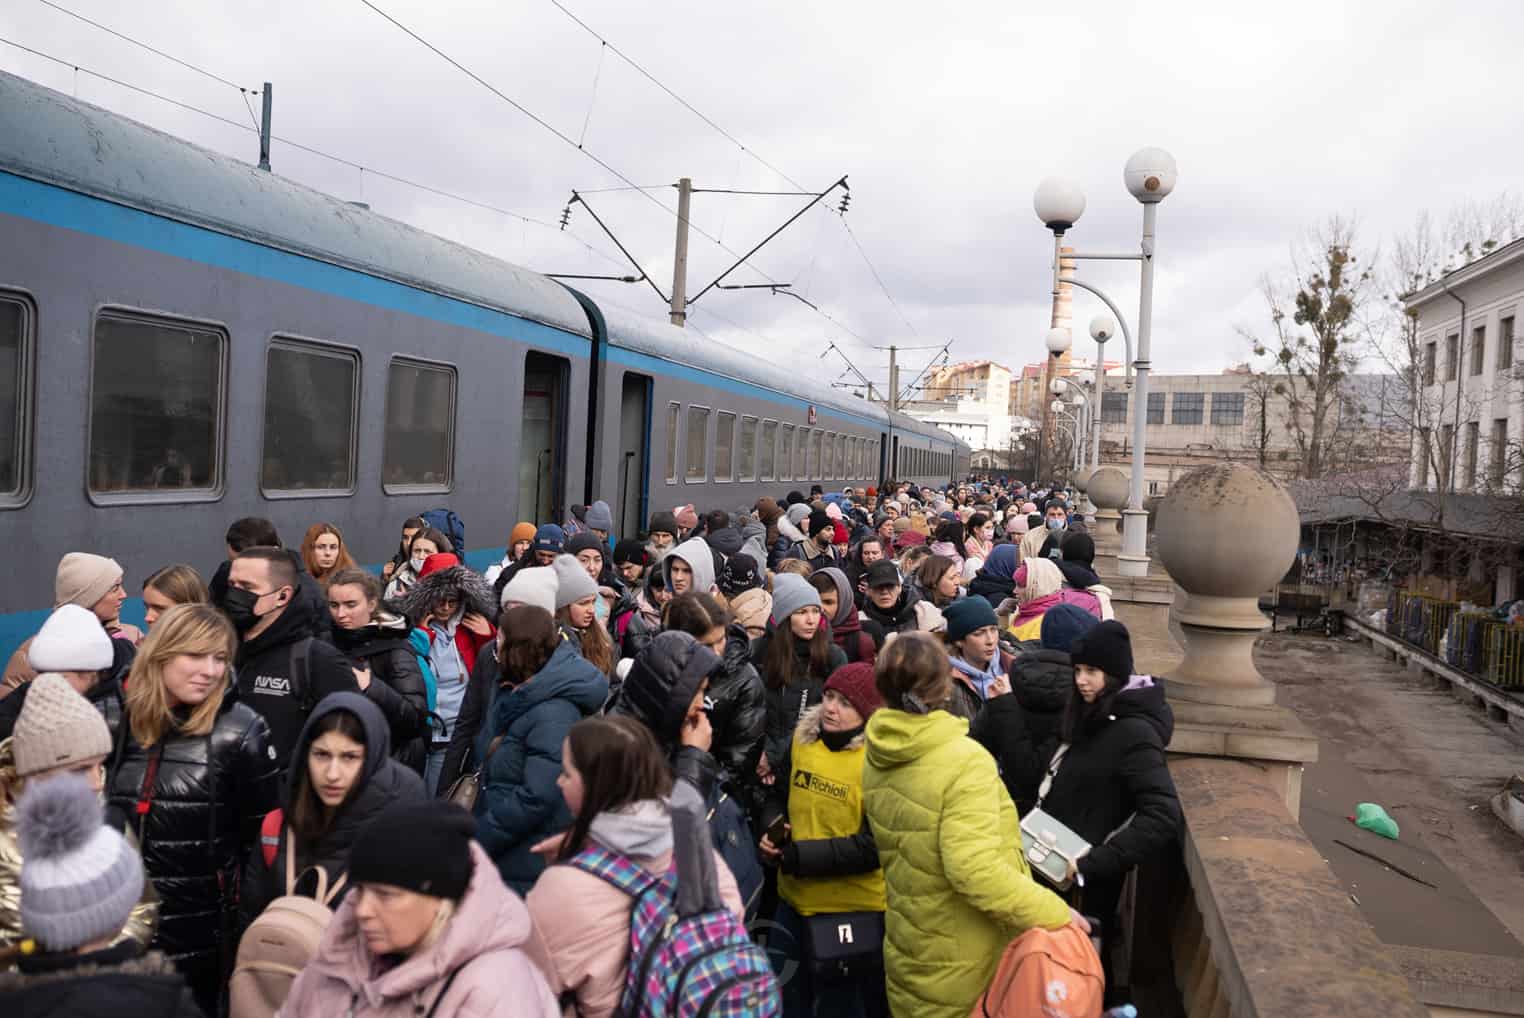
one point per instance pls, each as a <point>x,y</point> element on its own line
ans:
<point>680,256</point>
<point>264,127</point>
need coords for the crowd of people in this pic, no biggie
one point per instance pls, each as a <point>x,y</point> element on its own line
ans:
<point>857,694</point>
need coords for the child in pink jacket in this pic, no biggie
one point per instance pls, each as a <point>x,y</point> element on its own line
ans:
<point>616,782</point>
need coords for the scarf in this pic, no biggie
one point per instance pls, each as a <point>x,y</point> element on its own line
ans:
<point>838,741</point>
<point>980,679</point>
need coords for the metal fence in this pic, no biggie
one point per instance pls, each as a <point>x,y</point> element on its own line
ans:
<point>1476,642</point>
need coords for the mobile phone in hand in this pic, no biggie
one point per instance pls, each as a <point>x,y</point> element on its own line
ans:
<point>777,831</point>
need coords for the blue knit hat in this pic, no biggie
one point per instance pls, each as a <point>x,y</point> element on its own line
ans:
<point>968,614</point>
<point>1062,623</point>
<point>549,538</point>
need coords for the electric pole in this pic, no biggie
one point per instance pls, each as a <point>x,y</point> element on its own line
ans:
<point>680,259</point>
<point>894,381</point>
<point>264,129</point>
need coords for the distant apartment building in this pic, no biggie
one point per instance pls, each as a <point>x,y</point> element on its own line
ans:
<point>970,400</point>
<point>1470,413</point>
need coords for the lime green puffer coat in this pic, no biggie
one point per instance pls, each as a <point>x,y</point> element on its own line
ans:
<point>958,887</point>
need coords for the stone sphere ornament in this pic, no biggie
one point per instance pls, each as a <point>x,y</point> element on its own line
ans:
<point>1107,488</point>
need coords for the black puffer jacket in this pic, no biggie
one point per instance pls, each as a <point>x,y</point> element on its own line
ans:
<point>737,709</point>
<point>382,781</point>
<point>657,691</point>
<point>901,618</point>
<point>1021,729</point>
<point>787,703</point>
<point>1115,770</point>
<point>400,691</point>
<point>112,983</point>
<point>201,820</point>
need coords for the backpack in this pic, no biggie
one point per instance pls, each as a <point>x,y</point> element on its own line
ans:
<point>447,523</point>
<point>1054,973</point>
<point>283,938</point>
<point>683,966</point>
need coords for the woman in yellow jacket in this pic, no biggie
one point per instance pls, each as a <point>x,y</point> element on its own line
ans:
<point>958,888</point>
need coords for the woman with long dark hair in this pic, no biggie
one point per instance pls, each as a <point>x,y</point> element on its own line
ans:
<point>343,778</point>
<point>544,687</point>
<point>427,541</point>
<point>616,782</point>
<point>795,657</point>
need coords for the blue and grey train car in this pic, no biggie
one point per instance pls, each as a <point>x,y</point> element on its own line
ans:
<point>185,339</point>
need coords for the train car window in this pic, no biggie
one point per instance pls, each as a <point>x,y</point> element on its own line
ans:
<point>841,457</point>
<point>828,468</point>
<point>698,444</point>
<point>674,415</point>
<point>16,320</point>
<point>748,468</point>
<point>786,452</point>
<point>156,406</point>
<point>802,454</point>
<point>767,458</point>
<point>311,394</point>
<point>724,446</point>
<point>419,452</point>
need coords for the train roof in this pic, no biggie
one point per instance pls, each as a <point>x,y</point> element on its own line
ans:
<point>51,137</point>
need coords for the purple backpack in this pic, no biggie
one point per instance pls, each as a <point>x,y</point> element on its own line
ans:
<point>686,966</point>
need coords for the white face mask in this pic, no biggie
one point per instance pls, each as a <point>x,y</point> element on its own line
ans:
<point>417,563</point>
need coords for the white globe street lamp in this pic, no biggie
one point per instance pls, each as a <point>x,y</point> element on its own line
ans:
<point>1059,203</point>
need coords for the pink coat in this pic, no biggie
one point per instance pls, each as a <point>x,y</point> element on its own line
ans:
<point>1081,598</point>
<point>584,923</point>
<point>488,940</point>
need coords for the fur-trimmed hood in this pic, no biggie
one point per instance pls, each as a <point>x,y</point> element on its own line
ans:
<point>807,730</point>
<point>467,586</point>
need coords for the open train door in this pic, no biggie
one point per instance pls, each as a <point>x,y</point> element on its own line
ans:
<point>542,442</point>
<point>634,453</point>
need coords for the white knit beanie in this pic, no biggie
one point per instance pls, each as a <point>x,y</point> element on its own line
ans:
<point>56,728</point>
<point>534,585</point>
<point>572,581</point>
<point>71,640</point>
<point>79,878</point>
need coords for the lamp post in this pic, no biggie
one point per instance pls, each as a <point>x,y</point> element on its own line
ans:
<point>1075,429</point>
<point>1058,342</point>
<point>1083,414</point>
<point>1149,176</point>
<point>1101,329</point>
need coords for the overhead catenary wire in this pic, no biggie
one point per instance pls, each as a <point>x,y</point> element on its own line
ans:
<point>341,160</point>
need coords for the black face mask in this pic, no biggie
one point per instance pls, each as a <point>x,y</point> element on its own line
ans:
<point>238,604</point>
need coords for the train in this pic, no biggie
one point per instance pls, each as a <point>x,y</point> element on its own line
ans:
<point>186,339</point>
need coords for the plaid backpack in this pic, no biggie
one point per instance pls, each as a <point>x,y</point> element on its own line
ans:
<point>684,966</point>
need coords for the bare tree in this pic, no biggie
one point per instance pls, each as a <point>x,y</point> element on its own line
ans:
<point>1314,342</point>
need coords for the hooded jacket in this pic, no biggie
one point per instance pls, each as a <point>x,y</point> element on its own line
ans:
<point>585,921</point>
<point>846,628</point>
<point>266,683</point>
<point>957,889</point>
<point>487,945</point>
<point>520,802</point>
<point>789,535</point>
<point>120,980</point>
<point>1079,581</point>
<point>381,782</point>
<point>1021,729</point>
<point>469,590</point>
<point>694,551</point>
<point>201,821</point>
<point>737,705</point>
<point>397,684</point>
<point>1115,769</point>
<point>754,542</point>
<point>1039,586</point>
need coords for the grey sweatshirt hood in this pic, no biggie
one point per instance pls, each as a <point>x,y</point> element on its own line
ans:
<point>694,551</point>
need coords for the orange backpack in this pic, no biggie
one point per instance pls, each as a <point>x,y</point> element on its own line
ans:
<point>1046,973</point>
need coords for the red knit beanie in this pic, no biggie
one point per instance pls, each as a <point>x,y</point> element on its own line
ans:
<point>855,682</point>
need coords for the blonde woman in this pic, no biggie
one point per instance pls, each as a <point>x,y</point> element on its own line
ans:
<point>195,773</point>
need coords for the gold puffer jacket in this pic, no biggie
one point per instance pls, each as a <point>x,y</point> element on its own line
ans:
<point>141,924</point>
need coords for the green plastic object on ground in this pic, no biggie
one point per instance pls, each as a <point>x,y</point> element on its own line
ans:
<point>1375,819</point>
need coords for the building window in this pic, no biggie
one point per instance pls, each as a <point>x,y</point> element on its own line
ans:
<point>15,413</point>
<point>1425,448</point>
<point>1505,343</point>
<point>786,452</point>
<point>1155,408</point>
<point>724,443</point>
<point>767,453</point>
<point>1113,408</point>
<point>155,405</point>
<point>674,416</point>
<point>697,444</point>
<point>1499,453</point>
<point>420,426</point>
<point>1478,348</point>
<point>1468,460</point>
<point>1187,408</point>
<point>748,449</point>
<point>1428,362</point>
<point>1452,357</point>
<point>1228,408</point>
<point>311,393</point>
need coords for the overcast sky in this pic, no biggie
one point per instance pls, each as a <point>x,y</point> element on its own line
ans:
<point>945,117</point>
